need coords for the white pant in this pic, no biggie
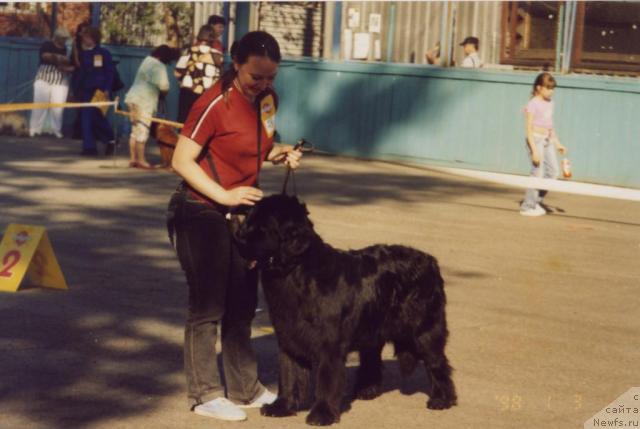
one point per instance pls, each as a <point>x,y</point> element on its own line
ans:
<point>47,93</point>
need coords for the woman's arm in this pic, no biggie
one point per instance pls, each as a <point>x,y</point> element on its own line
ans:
<point>49,58</point>
<point>109,70</point>
<point>218,59</point>
<point>160,78</point>
<point>285,153</point>
<point>60,61</point>
<point>530,140</point>
<point>184,163</point>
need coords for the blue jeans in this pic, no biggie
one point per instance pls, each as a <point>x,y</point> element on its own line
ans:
<point>548,169</point>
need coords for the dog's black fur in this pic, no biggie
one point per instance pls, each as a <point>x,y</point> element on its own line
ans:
<point>325,303</point>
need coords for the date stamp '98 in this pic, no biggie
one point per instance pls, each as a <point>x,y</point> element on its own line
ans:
<point>515,402</point>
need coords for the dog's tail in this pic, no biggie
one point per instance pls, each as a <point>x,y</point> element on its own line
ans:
<point>406,356</point>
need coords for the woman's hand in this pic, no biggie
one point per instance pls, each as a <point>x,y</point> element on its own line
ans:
<point>242,195</point>
<point>292,159</point>
<point>287,155</point>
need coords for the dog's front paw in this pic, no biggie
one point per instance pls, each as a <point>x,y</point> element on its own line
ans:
<point>369,392</point>
<point>279,408</point>
<point>321,415</point>
<point>440,403</point>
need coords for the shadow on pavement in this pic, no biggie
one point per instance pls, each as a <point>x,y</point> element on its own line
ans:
<point>111,346</point>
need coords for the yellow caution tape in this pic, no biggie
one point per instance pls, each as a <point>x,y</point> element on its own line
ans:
<point>99,100</point>
<point>103,105</point>
<point>32,106</point>
<point>148,118</point>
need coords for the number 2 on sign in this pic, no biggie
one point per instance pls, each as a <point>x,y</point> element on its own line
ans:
<point>8,262</point>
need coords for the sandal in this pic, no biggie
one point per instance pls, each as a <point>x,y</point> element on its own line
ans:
<point>145,166</point>
<point>133,164</point>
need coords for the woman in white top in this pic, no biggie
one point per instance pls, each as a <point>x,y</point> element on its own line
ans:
<point>51,84</point>
<point>151,83</point>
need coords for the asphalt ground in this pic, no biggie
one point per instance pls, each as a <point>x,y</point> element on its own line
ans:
<point>543,312</point>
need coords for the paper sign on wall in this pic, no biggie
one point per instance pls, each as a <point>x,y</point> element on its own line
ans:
<point>347,43</point>
<point>361,43</point>
<point>26,250</point>
<point>375,22</point>
<point>377,50</point>
<point>353,18</point>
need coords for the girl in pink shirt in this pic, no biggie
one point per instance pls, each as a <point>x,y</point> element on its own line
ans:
<point>542,141</point>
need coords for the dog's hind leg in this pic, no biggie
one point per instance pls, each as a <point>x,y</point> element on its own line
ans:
<point>369,377</point>
<point>430,347</point>
<point>330,376</point>
<point>293,388</point>
<point>405,351</point>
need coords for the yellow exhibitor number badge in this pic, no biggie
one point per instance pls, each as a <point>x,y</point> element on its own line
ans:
<point>268,114</point>
<point>26,250</point>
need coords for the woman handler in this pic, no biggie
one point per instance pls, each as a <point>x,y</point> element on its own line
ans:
<point>219,155</point>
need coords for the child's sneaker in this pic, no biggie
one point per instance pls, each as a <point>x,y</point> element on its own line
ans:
<point>264,399</point>
<point>537,211</point>
<point>220,408</point>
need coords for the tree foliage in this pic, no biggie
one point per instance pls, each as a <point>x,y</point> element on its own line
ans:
<point>147,24</point>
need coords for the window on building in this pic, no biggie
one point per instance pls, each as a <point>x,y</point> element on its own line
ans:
<point>298,26</point>
<point>607,36</point>
<point>529,33</point>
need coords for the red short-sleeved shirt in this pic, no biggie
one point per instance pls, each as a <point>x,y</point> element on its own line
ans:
<point>228,127</point>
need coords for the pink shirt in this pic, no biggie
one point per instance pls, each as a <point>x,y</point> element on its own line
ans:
<point>542,111</point>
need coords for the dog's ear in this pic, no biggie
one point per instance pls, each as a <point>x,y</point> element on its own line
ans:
<point>295,239</point>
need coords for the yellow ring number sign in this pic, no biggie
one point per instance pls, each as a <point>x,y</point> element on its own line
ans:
<point>26,250</point>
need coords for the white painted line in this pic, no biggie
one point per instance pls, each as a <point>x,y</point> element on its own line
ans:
<point>567,186</point>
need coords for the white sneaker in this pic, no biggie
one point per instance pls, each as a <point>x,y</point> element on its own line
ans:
<point>537,211</point>
<point>264,399</point>
<point>220,408</point>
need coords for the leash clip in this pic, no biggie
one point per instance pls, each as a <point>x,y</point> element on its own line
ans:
<point>303,146</point>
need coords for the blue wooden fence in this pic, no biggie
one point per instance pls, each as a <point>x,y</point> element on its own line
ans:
<point>468,118</point>
<point>443,116</point>
<point>19,62</point>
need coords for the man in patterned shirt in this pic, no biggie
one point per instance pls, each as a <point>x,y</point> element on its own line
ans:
<point>197,70</point>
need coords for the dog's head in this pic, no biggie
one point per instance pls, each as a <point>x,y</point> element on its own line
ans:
<point>276,231</point>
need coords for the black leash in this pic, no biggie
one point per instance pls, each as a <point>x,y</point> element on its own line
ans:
<point>303,146</point>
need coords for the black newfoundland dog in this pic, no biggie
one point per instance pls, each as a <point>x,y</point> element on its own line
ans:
<point>325,302</point>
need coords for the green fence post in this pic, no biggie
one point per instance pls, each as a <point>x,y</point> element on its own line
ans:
<point>560,39</point>
<point>391,31</point>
